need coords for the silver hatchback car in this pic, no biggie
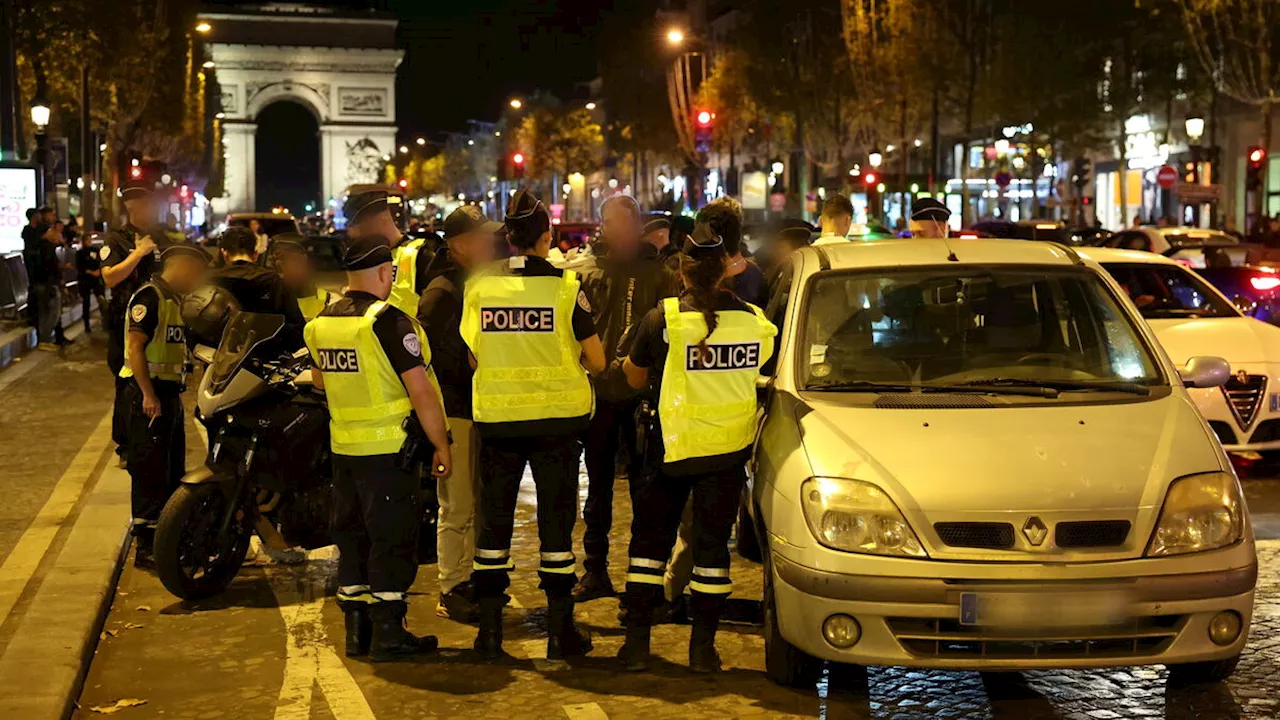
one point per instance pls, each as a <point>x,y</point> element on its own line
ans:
<point>974,454</point>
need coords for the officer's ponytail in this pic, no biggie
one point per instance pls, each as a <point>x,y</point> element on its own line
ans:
<point>703,266</point>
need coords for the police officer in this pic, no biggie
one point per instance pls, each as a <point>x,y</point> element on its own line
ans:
<point>528,325</point>
<point>297,272</point>
<point>129,258</point>
<point>375,368</point>
<point>373,211</point>
<point>929,218</point>
<point>256,288</point>
<point>708,348</point>
<point>154,373</point>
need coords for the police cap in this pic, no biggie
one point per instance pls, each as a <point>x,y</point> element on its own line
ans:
<point>288,243</point>
<point>929,209</point>
<point>365,252</point>
<point>364,202</point>
<point>136,188</point>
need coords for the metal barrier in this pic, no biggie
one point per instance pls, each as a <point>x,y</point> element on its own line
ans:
<point>13,286</point>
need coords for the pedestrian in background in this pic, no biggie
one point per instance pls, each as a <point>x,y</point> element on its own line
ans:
<point>836,219</point>
<point>468,238</point>
<point>528,326</point>
<point>89,280</point>
<point>154,375</point>
<point>623,281</point>
<point>371,362</point>
<point>929,219</point>
<point>257,289</point>
<point>743,277</point>
<point>657,233</point>
<point>705,350</point>
<point>45,276</point>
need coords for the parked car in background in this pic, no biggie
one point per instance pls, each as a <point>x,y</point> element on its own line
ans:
<point>974,455</point>
<point>1254,290</point>
<point>568,236</point>
<point>271,223</point>
<point>1043,230</point>
<point>1190,318</point>
<point>1196,247</point>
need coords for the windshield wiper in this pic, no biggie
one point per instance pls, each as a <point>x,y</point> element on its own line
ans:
<point>875,387</point>
<point>1064,385</point>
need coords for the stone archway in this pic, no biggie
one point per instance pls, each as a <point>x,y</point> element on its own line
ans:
<point>340,67</point>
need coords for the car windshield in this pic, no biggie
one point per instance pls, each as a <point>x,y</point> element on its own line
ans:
<point>1169,291</point>
<point>244,332</point>
<point>945,328</point>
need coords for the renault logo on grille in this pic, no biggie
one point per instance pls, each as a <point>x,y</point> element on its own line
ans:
<point>1035,531</point>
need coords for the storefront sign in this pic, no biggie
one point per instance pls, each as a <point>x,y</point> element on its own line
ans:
<point>1190,193</point>
<point>755,190</point>
<point>17,195</point>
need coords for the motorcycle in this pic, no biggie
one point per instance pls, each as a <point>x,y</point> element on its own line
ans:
<point>268,464</point>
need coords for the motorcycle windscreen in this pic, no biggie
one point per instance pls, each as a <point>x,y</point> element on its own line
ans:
<point>245,333</point>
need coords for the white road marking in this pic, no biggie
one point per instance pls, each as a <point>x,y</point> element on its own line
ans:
<point>311,658</point>
<point>585,711</point>
<point>22,562</point>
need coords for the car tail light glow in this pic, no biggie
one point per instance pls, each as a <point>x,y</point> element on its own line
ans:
<point>1264,282</point>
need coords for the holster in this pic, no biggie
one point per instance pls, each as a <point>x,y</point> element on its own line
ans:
<point>648,442</point>
<point>416,448</point>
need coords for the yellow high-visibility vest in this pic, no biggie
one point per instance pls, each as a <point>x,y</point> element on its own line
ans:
<point>368,402</point>
<point>520,330</point>
<point>311,305</point>
<point>167,349</point>
<point>404,277</point>
<point>707,403</point>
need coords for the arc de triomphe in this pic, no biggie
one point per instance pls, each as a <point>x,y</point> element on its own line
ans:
<point>340,67</point>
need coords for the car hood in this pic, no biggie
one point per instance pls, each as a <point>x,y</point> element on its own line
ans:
<point>1235,339</point>
<point>1011,458</point>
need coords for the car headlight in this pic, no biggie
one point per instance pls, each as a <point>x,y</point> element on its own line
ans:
<point>856,516</point>
<point>1201,512</point>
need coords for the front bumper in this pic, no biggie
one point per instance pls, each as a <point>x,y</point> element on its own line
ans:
<point>913,621</point>
<point>1262,431</point>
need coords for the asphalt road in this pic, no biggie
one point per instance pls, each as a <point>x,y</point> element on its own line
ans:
<point>270,647</point>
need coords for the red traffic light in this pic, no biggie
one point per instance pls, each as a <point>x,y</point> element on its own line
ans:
<point>403,183</point>
<point>704,118</point>
<point>184,192</point>
<point>870,178</point>
<point>135,172</point>
<point>1257,155</point>
<point>518,158</point>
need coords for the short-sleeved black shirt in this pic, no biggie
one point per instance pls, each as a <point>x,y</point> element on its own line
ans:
<point>583,328</point>
<point>649,350</point>
<point>144,311</point>
<point>115,248</point>
<point>394,329</point>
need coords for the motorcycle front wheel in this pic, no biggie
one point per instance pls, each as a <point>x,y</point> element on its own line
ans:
<point>191,560</point>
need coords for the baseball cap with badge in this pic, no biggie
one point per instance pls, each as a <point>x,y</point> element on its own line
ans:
<point>467,219</point>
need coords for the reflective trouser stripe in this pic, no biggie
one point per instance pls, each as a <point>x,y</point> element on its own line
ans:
<point>714,581</point>
<point>388,596</point>
<point>492,560</point>
<point>355,593</point>
<point>560,563</point>
<point>646,571</point>
<point>644,578</point>
<point>711,588</point>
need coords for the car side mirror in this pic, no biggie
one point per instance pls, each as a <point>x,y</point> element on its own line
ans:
<point>1245,305</point>
<point>1205,371</point>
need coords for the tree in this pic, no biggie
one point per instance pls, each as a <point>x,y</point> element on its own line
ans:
<point>1238,44</point>
<point>557,141</point>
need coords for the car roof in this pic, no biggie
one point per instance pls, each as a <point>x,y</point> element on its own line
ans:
<point>921,251</point>
<point>260,216</point>
<point>1116,255</point>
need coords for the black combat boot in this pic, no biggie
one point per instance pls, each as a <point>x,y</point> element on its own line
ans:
<point>144,542</point>
<point>703,657</point>
<point>634,654</point>
<point>594,584</point>
<point>564,638</point>
<point>391,639</point>
<point>489,640</point>
<point>355,616</point>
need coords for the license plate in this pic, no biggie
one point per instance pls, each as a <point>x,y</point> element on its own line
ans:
<point>1044,610</point>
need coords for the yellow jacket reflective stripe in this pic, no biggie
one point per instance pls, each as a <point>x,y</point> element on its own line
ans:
<point>167,349</point>
<point>311,305</point>
<point>404,277</point>
<point>707,404</point>
<point>367,399</point>
<point>520,330</point>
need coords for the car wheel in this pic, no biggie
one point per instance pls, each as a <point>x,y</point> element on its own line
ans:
<point>745,531</point>
<point>1202,672</point>
<point>784,663</point>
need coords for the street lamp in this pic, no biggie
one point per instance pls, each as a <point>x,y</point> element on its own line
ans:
<point>39,112</point>
<point>219,116</point>
<point>203,27</point>
<point>1195,129</point>
<point>874,159</point>
<point>591,106</point>
<point>40,118</point>
<point>515,104</point>
<point>675,36</point>
<point>778,167</point>
<point>207,65</point>
<point>404,149</point>
<point>421,141</point>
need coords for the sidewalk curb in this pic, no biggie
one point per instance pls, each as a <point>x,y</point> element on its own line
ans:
<point>50,652</point>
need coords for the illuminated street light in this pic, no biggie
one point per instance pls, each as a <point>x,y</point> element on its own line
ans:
<point>918,142</point>
<point>567,188</point>
<point>219,116</point>
<point>1002,147</point>
<point>39,112</point>
<point>386,158</point>
<point>208,65</point>
<point>203,27</point>
<point>515,104</point>
<point>404,149</point>
<point>102,147</point>
<point>497,133</point>
<point>1195,128</point>
<point>613,182</point>
<point>875,159</point>
<point>471,142</point>
<point>778,167</point>
<point>421,141</point>
<point>675,36</point>
<point>591,106</point>
<point>462,196</point>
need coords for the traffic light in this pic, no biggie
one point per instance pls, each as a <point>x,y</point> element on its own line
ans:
<point>135,172</point>
<point>871,179</point>
<point>1256,160</point>
<point>703,124</point>
<point>517,164</point>
<point>1080,172</point>
<point>184,192</point>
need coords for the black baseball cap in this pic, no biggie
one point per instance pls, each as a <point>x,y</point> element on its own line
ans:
<point>365,252</point>
<point>929,209</point>
<point>468,218</point>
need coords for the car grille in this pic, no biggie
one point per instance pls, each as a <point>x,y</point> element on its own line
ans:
<point>921,401</point>
<point>1268,431</point>
<point>1244,396</point>
<point>1227,436</point>
<point>986,535</point>
<point>1091,533</point>
<point>948,639</point>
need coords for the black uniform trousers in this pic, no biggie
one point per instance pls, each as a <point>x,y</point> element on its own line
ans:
<point>113,323</point>
<point>155,449</point>
<point>659,503</point>
<point>376,514</point>
<point>612,425</point>
<point>554,462</point>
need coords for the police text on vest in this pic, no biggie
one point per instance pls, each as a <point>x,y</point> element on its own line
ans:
<point>338,360</point>
<point>517,319</point>
<point>722,356</point>
<point>174,334</point>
